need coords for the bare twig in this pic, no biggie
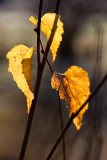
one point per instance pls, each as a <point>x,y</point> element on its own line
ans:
<point>96,128</point>
<point>49,65</point>
<point>97,136</point>
<point>62,127</point>
<point>38,33</point>
<point>37,86</point>
<point>73,116</point>
<point>38,82</point>
<point>30,118</point>
<point>43,52</point>
<point>98,54</point>
<point>71,140</point>
<point>60,110</point>
<point>52,34</point>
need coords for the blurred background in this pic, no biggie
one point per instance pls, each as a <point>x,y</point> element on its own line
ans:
<point>85,45</point>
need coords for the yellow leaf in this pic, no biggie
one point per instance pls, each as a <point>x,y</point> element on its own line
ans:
<point>74,87</point>
<point>46,26</point>
<point>20,65</point>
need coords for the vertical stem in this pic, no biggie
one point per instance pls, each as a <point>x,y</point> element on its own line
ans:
<point>96,108</point>
<point>30,118</point>
<point>98,49</point>
<point>62,127</point>
<point>38,82</point>
<point>97,136</point>
<point>60,110</point>
<point>36,91</point>
<point>38,32</point>
<point>98,54</point>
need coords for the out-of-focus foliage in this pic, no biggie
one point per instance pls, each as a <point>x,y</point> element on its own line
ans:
<point>74,87</point>
<point>20,65</point>
<point>46,26</point>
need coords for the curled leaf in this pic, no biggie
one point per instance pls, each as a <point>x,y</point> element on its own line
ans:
<point>74,87</point>
<point>46,26</point>
<point>20,65</point>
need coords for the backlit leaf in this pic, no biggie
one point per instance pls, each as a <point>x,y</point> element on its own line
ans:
<point>46,26</point>
<point>74,87</point>
<point>20,65</point>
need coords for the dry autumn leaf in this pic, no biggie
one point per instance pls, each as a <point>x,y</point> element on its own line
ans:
<point>46,26</point>
<point>74,87</point>
<point>20,65</point>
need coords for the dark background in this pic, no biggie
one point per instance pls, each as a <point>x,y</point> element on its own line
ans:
<point>85,45</point>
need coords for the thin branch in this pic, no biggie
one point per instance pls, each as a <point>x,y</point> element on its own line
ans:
<point>96,152</point>
<point>62,127</point>
<point>49,65</point>
<point>38,32</point>
<point>30,118</point>
<point>52,34</point>
<point>37,86</point>
<point>71,140</point>
<point>43,52</point>
<point>60,110</point>
<point>36,91</point>
<point>96,128</point>
<point>74,115</point>
<point>98,54</point>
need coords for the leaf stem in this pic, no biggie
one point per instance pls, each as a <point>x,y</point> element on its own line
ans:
<point>73,116</point>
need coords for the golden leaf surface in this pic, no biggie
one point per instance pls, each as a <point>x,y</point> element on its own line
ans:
<point>46,26</point>
<point>74,87</point>
<point>20,65</point>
